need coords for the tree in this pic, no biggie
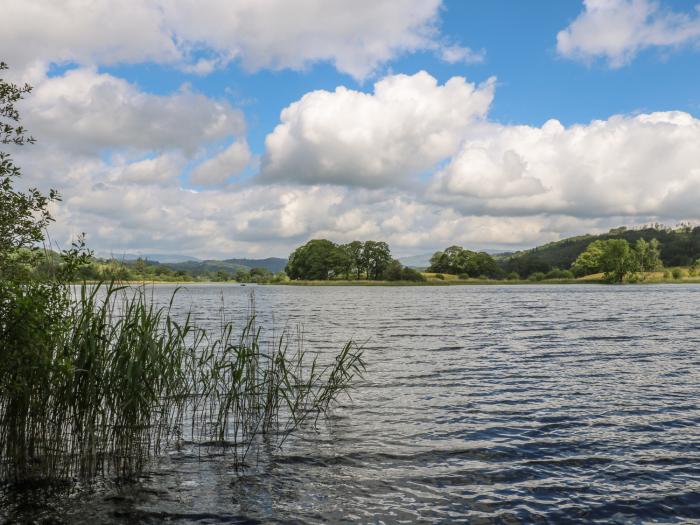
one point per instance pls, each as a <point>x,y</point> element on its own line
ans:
<point>648,255</point>
<point>485,265</point>
<point>393,271</point>
<point>376,257</point>
<point>526,264</point>
<point>341,261</point>
<point>221,276</point>
<point>617,260</point>
<point>589,261</point>
<point>140,266</point>
<point>242,275</point>
<point>354,251</point>
<point>23,215</point>
<point>313,260</point>
<point>438,263</point>
<point>259,275</point>
<point>457,260</point>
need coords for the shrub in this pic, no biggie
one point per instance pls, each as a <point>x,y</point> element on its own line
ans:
<point>397,272</point>
<point>440,276</point>
<point>537,276</point>
<point>409,274</point>
<point>513,276</point>
<point>556,273</point>
<point>635,277</point>
<point>677,273</point>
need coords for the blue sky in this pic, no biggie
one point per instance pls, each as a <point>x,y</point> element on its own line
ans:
<point>454,148</point>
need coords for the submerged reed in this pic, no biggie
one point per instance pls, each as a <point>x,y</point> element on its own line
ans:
<point>100,382</point>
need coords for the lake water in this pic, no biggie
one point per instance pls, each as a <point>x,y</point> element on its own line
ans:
<point>481,404</point>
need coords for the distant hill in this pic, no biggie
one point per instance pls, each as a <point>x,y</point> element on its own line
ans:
<point>416,261</point>
<point>679,247</point>
<point>152,257</point>
<point>273,264</point>
<point>196,267</point>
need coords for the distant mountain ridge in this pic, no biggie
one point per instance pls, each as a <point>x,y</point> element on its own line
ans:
<point>152,257</point>
<point>416,261</point>
<point>272,264</point>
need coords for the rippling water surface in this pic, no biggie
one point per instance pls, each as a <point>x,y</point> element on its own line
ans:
<point>481,404</point>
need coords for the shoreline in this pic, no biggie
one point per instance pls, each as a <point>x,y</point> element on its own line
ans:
<point>446,282</point>
<point>552,282</point>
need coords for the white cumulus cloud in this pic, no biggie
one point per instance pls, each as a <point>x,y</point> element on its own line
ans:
<point>637,166</point>
<point>406,126</point>
<point>619,29</point>
<point>83,110</point>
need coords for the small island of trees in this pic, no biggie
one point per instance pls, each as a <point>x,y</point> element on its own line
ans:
<point>321,259</point>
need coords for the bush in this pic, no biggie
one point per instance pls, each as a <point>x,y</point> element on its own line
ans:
<point>635,278</point>
<point>409,274</point>
<point>666,274</point>
<point>440,276</point>
<point>397,272</point>
<point>556,273</point>
<point>537,276</point>
<point>513,276</point>
<point>677,273</point>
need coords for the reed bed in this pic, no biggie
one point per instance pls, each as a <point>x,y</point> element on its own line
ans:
<point>101,381</point>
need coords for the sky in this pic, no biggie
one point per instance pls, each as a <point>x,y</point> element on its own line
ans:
<point>244,128</point>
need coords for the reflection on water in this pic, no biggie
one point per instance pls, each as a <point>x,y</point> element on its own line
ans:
<point>486,404</point>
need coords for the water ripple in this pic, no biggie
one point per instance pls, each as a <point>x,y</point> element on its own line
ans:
<point>482,404</point>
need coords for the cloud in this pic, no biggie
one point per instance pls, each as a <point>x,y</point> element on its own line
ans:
<point>636,166</point>
<point>406,126</point>
<point>455,54</point>
<point>162,169</point>
<point>414,162</point>
<point>272,220</point>
<point>273,34</point>
<point>83,110</point>
<point>219,168</point>
<point>117,156</point>
<point>618,30</point>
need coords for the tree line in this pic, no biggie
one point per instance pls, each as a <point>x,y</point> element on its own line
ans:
<point>680,246</point>
<point>321,259</point>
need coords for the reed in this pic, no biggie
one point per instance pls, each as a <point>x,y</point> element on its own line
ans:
<point>102,380</point>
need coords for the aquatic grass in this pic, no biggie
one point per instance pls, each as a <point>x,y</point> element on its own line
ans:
<point>104,379</point>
